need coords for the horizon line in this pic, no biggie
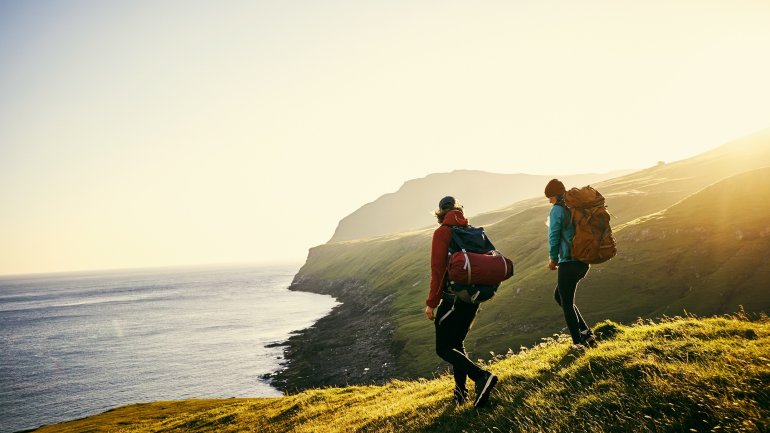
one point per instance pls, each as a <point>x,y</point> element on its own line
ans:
<point>284,262</point>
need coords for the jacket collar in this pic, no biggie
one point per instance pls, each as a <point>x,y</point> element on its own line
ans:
<point>455,218</point>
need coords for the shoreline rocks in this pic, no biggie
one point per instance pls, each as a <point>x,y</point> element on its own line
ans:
<point>349,346</point>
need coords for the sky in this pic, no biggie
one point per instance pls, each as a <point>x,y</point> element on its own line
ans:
<point>166,133</point>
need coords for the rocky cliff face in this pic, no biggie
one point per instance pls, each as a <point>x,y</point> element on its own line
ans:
<point>352,345</point>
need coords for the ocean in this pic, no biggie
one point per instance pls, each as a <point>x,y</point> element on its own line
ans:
<point>78,344</point>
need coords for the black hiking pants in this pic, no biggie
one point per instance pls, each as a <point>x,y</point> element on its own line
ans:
<point>570,274</point>
<point>453,321</point>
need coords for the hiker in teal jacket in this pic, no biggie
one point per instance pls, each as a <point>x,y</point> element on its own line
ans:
<point>560,234</point>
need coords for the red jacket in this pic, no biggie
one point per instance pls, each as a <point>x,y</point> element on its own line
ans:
<point>438,255</point>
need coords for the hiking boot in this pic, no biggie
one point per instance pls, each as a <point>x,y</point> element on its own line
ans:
<point>577,347</point>
<point>460,396</point>
<point>484,388</point>
<point>588,341</point>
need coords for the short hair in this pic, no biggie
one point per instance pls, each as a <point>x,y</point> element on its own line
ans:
<point>441,213</point>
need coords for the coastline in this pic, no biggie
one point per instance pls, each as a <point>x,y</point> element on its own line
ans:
<point>357,333</point>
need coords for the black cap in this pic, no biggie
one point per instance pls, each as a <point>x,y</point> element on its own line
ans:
<point>447,202</point>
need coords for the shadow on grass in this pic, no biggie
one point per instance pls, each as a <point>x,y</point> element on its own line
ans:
<point>495,416</point>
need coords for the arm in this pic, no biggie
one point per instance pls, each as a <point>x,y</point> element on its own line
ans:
<point>438,261</point>
<point>554,232</point>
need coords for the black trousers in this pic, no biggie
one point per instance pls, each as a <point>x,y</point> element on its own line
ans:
<point>570,274</point>
<point>453,321</point>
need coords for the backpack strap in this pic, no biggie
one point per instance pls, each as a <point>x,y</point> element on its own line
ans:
<point>445,279</point>
<point>571,214</point>
<point>458,241</point>
<point>467,265</point>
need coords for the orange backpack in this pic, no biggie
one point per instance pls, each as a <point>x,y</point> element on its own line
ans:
<point>593,242</point>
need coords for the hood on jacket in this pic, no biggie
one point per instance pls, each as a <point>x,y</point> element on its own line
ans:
<point>455,218</point>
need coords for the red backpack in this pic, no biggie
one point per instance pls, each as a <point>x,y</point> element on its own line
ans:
<point>475,267</point>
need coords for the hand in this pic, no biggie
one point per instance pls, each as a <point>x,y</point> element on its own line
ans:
<point>429,313</point>
<point>552,265</point>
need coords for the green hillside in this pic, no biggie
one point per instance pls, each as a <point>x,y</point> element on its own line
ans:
<point>678,375</point>
<point>661,267</point>
<point>717,244</point>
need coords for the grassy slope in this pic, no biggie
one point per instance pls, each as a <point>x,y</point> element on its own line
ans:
<point>621,289</point>
<point>680,374</point>
<point>717,243</point>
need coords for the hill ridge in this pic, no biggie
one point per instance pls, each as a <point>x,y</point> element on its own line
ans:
<point>739,178</point>
<point>409,208</point>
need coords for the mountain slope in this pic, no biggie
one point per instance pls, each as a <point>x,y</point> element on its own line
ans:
<point>478,191</point>
<point>718,241</point>
<point>682,374</point>
<point>383,281</point>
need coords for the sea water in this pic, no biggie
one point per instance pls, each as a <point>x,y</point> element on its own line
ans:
<point>77,344</point>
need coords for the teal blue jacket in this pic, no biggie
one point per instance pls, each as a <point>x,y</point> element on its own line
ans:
<point>560,234</point>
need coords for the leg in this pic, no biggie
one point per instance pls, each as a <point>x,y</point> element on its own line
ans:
<point>569,275</point>
<point>581,323</point>
<point>582,270</point>
<point>451,329</point>
<point>459,371</point>
<point>467,314</point>
<point>484,381</point>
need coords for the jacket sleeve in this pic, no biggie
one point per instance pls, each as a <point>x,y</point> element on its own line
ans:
<point>438,261</point>
<point>554,232</point>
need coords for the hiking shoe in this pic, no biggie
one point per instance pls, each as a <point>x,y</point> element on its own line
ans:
<point>484,388</point>
<point>460,396</point>
<point>589,341</point>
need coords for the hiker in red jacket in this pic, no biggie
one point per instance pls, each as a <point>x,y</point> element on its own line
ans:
<point>453,317</point>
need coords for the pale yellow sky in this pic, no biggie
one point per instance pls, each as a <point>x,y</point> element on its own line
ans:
<point>167,133</point>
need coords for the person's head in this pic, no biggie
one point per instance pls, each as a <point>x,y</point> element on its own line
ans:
<point>554,189</point>
<point>445,205</point>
